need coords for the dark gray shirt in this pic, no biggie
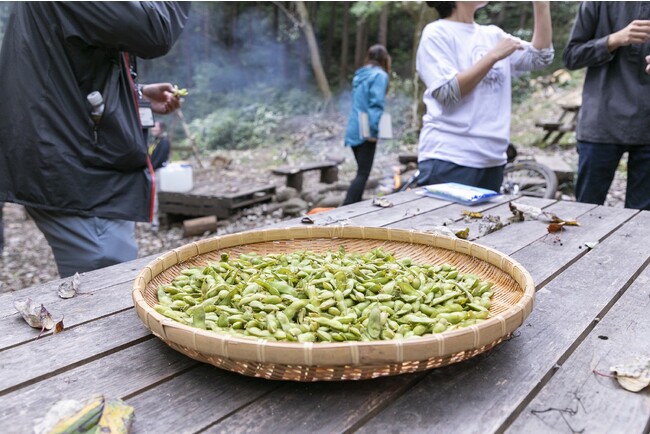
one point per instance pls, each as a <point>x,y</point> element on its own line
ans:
<point>616,93</point>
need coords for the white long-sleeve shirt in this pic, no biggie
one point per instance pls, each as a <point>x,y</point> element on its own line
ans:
<point>472,131</point>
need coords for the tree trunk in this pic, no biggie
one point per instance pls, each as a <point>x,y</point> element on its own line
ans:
<point>329,39</point>
<point>361,43</point>
<point>345,45</point>
<point>523,16</point>
<point>382,36</point>
<point>312,44</point>
<point>417,107</point>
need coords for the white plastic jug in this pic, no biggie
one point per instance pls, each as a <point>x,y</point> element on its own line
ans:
<point>175,178</point>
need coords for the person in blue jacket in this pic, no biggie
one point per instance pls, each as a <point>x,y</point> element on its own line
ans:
<point>369,87</point>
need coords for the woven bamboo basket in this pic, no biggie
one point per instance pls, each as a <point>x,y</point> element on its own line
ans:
<point>512,302</point>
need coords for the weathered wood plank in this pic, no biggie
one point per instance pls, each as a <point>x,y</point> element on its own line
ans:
<point>595,403</point>
<point>532,230</point>
<point>74,345</point>
<point>77,310</point>
<point>197,399</point>
<point>115,375</point>
<point>437,217</point>
<point>353,210</point>
<point>478,394</point>
<point>327,407</point>
<point>90,282</point>
<point>412,210</point>
<point>541,258</point>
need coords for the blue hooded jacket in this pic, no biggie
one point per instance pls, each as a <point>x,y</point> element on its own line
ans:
<point>368,90</point>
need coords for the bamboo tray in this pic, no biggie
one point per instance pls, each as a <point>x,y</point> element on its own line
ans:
<point>512,302</point>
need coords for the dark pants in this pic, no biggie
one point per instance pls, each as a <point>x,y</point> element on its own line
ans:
<point>438,171</point>
<point>365,155</point>
<point>596,168</point>
<point>81,244</point>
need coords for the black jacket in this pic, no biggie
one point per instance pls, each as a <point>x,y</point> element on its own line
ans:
<point>52,154</point>
<point>615,104</point>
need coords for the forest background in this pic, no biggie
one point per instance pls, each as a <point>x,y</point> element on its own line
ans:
<point>250,66</point>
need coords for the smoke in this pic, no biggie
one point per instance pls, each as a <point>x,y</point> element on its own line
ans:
<point>219,52</point>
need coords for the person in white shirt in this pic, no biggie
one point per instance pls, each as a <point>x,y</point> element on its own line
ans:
<point>467,69</point>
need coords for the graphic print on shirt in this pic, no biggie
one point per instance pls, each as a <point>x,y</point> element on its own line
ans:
<point>494,79</point>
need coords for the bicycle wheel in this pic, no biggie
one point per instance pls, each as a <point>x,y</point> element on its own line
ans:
<point>529,178</point>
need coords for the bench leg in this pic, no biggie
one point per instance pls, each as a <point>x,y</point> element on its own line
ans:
<point>295,181</point>
<point>329,175</point>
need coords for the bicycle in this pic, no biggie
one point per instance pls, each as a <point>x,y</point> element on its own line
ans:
<point>520,176</point>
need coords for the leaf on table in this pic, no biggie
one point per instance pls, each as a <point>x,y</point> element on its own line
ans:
<point>520,212</point>
<point>555,219</point>
<point>472,214</point>
<point>65,290</point>
<point>34,314</point>
<point>555,227</point>
<point>383,203</point>
<point>76,282</point>
<point>58,327</point>
<point>489,224</point>
<point>462,234</point>
<point>633,375</point>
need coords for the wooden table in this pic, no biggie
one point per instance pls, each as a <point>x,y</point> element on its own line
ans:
<point>565,123</point>
<point>591,312</point>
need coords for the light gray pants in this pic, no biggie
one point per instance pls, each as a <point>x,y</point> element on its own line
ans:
<point>83,244</point>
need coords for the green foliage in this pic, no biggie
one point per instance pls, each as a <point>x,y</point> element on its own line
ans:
<point>250,118</point>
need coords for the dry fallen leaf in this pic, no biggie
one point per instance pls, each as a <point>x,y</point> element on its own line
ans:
<point>555,227</point>
<point>489,224</point>
<point>383,203</point>
<point>634,375</point>
<point>58,327</point>
<point>34,314</point>
<point>68,289</point>
<point>472,214</point>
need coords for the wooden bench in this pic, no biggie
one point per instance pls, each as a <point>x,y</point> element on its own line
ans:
<point>329,173</point>
<point>562,125</point>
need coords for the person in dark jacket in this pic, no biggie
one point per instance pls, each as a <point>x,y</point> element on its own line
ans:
<point>159,147</point>
<point>369,87</point>
<point>84,182</point>
<point>611,39</point>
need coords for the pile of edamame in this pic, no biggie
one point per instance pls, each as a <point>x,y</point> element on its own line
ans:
<point>325,297</point>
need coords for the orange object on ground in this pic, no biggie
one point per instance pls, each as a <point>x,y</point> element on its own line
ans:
<point>317,210</point>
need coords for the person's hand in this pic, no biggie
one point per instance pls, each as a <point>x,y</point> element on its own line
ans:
<point>162,97</point>
<point>504,48</point>
<point>637,32</point>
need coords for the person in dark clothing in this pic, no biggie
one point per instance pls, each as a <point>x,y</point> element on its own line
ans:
<point>84,181</point>
<point>369,87</point>
<point>611,39</point>
<point>159,148</point>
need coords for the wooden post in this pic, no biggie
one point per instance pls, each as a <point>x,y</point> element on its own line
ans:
<point>199,226</point>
